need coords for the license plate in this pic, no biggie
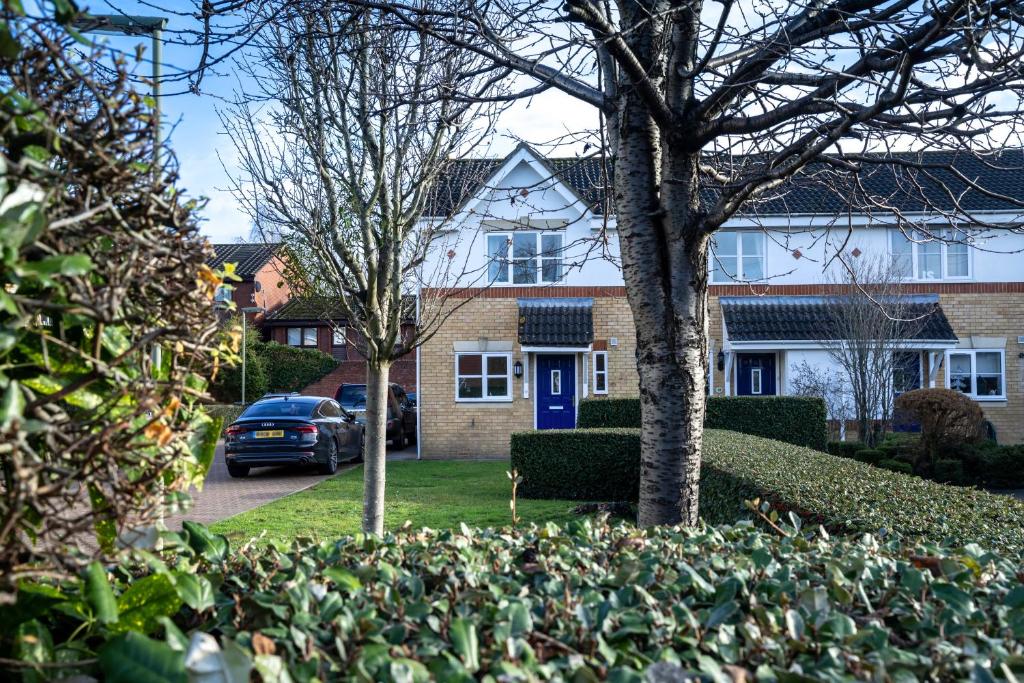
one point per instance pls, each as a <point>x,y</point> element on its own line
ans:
<point>270,434</point>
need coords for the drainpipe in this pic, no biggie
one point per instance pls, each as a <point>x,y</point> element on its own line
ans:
<point>419,387</point>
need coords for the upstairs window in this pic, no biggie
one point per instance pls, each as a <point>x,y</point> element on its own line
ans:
<point>302,336</point>
<point>223,294</point>
<point>929,257</point>
<point>738,256</point>
<point>535,257</point>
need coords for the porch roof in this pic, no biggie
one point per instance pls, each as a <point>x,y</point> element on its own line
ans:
<point>818,318</point>
<point>556,321</point>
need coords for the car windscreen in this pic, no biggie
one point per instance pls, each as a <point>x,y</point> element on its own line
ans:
<point>353,397</point>
<point>280,408</point>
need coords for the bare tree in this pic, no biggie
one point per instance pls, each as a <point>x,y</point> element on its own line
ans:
<point>341,149</point>
<point>874,324</point>
<point>829,385</point>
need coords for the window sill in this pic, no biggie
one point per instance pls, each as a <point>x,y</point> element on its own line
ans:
<point>484,400</point>
<point>987,399</point>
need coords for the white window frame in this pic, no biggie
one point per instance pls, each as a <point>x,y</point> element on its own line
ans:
<point>223,294</point>
<point>593,363</point>
<point>508,263</point>
<point>737,278</point>
<point>915,241</point>
<point>974,372</point>
<point>485,377</point>
<point>339,333</point>
<point>758,372</point>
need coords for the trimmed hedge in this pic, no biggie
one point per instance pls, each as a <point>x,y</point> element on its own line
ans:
<point>583,602</point>
<point>292,369</point>
<point>578,464</point>
<point>870,455</point>
<point>798,420</point>
<point>896,466</point>
<point>842,494</point>
<point>844,449</point>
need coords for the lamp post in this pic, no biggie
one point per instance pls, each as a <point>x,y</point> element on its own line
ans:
<point>247,309</point>
<point>135,25</point>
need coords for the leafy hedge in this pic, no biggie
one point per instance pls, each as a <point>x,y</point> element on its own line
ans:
<point>843,494</point>
<point>849,495</point>
<point>578,464</point>
<point>795,419</point>
<point>292,369</point>
<point>272,367</point>
<point>585,602</point>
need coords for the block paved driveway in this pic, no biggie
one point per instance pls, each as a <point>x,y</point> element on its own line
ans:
<point>223,496</point>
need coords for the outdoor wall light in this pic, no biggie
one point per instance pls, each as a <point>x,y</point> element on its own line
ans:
<point>721,361</point>
<point>517,368</point>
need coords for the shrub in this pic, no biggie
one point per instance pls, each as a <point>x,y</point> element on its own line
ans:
<point>795,419</point>
<point>871,456</point>
<point>843,494</point>
<point>844,449</point>
<point>578,464</point>
<point>1003,466</point>
<point>597,413</point>
<point>896,466</point>
<point>107,332</point>
<point>948,471</point>
<point>848,495</point>
<point>947,418</point>
<point>228,412</point>
<point>514,605</point>
<point>292,369</point>
<point>227,387</point>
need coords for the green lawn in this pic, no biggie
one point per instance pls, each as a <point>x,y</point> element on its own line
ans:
<point>435,494</point>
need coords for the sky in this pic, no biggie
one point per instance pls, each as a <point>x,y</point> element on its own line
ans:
<point>205,154</point>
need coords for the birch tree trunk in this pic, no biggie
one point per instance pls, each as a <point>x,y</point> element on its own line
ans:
<point>664,265</point>
<point>375,458</point>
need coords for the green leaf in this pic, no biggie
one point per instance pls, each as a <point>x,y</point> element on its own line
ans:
<point>464,640</point>
<point>33,644</point>
<point>145,601</point>
<point>134,658</point>
<point>9,46</point>
<point>272,669</point>
<point>12,406</point>
<point>106,530</point>
<point>343,578</point>
<point>195,591</point>
<point>203,444</point>
<point>99,594</point>
<point>70,265</point>
<point>213,547</point>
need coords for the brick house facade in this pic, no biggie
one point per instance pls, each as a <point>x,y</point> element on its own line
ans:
<point>530,224</point>
<point>261,268</point>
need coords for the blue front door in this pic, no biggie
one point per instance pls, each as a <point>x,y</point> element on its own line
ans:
<point>556,391</point>
<point>755,374</point>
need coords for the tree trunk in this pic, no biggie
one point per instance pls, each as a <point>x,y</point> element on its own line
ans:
<point>377,376</point>
<point>658,214</point>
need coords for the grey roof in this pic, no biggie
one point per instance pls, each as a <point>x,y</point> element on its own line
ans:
<point>309,308</point>
<point>556,322</point>
<point>249,257</point>
<point>821,188</point>
<point>814,318</point>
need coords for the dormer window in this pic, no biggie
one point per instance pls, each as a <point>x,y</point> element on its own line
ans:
<point>536,257</point>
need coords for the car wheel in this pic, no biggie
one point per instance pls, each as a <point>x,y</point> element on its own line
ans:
<point>400,442</point>
<point>331,466</point>
<point>362,448</point>
<point>238,471</point>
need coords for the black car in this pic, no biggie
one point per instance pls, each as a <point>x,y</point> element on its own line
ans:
<point>292,430</point>
<point>401,424</point>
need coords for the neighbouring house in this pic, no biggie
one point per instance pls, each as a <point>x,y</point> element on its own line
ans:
<point>318,324</point>
<point>261,268</point>
<point>545,321</point>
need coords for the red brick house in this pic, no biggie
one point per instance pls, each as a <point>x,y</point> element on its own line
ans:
<point>261,268</point>
<point>316,324</point>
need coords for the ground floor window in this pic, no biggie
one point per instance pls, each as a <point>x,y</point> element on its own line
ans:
<point>977,373</point>
<point>301,336</point>
<point>483,376</point>
<point>600,372</point>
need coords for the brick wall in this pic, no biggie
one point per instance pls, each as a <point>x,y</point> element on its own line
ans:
<point>403,372</point>
<point>454,429</point>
